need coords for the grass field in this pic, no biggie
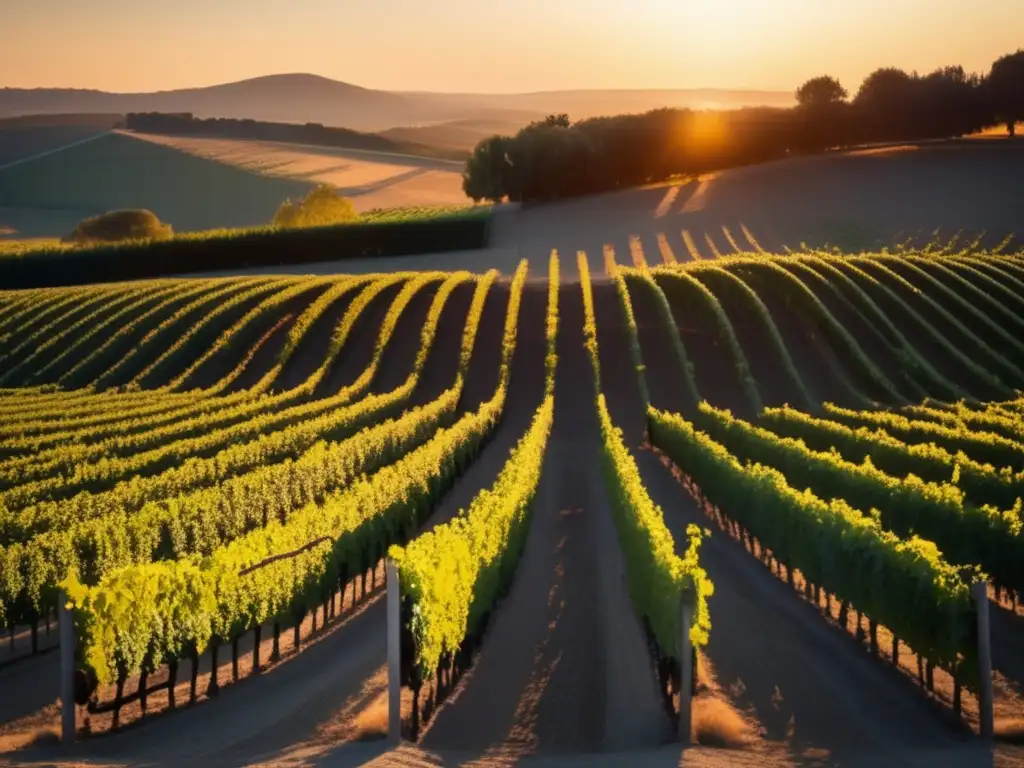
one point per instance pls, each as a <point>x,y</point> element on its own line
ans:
<point>194,184</point>
<point>118,171</point>
<point>18,142</point>
<point>371,179</point>
<point>215,468</point>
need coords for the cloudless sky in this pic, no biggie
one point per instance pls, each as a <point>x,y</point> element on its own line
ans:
<point>495,45</point>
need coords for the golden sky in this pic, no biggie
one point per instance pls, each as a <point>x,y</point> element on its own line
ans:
<point>495,45</point>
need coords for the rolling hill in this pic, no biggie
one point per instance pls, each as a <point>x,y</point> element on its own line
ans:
<point>310,98</point>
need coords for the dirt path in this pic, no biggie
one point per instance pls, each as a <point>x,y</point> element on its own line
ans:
<point>36,681</point>
<point>559,670</point>
<point>774,658</point>
<point>526,390</point>
<point>1008,645</point>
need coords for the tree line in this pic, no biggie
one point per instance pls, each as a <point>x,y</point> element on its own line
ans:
<point>556,158</point>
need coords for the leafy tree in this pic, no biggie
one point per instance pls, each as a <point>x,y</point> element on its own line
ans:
<point>885,106</point>
<point>549,162</point>
<point>118,226</point>
<point>323,206</point>
<point>821,91</point>
<point>560,120</point>
<point>886,87</point>
<point>950,102</point>
<point>555,158</point>
<point>486,174</point>
<point>1006,86</point>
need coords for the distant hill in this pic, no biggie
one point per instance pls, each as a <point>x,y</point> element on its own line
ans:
<point>580,104</point>
<point>278,98</point>
<point>454,136</point>
<point>301,98</point>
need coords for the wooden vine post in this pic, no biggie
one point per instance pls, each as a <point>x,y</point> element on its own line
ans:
<point>985,713</point>
<point>394,654</point>
<point>67,668</point>
<point>685,671</point>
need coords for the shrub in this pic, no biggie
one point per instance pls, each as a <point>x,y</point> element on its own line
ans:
<point>321,207</point>
<point>118,226</point>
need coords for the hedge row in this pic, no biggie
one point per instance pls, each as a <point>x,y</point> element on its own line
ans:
<point>243,250</point>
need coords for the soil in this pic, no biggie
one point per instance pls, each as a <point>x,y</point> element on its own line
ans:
<point>968,344</point>
<point>356,354</point>
<point>564,666</point>
<point>241,345</point>
<point>712,360</point>
<point>485,362</point>
<point>890,302</point>
<point>15,306</point>
<point>309,353</point>
<point>129,339</point>
<point>140,356</point>
<point>17,348</point>
<point>442,362</point>
<point>207,335</point>
<point>867,337</point>
<point>805,684</point>
<point>773,383</point>
<point>1012,295</point>
<point>40,314</point>
<point>262,355</point>
<point>886,304</point>
<point>36,679</point>
<point>847,705</point>
<point>101,313</point>
<point>814,358</point>
<point>1013,267</point>
<point>334,681</point>
<point>959,309</point>
<point>666,382</point>
<point>400,354</point>
<point>990,302</point>
<point>76,350</point>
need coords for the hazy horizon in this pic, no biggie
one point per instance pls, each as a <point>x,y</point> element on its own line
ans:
<point>539,45</point>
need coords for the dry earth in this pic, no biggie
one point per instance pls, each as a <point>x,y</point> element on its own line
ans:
<point>865,199</point>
